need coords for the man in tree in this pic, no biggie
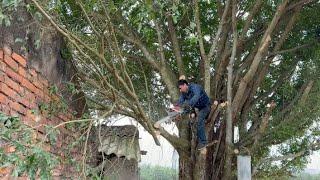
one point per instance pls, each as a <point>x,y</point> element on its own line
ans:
<point>193,96</point>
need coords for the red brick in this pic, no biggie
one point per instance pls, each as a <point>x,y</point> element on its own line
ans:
<point>33,117</point>
<point>30,96</point>
<point>46,91</point>
<point>2,66</point>
<point>13,113</point>
<point>5,109</point>
<point>22,71</point>
<point>24,101</point>
<point>8,91</point>
<point>11,63</point>
<point>33,72</point>
<point>44,81</point>
<point>38,84</point>
<point>7,50</point>
<point>15,86</point>
<point>33,105</point>
<point>26,83</point>
<point>4,171</point>
<point>14,75</point>
<point>2,76</point>
<point>18,107</point>
<point>19,59</point>
<point>40,94</point>
<point>3,99</point>
<point>28,121</point>
<point>9,149</point>
<point>46,98</point>
<point>39,100</point>
<point>22,91</point>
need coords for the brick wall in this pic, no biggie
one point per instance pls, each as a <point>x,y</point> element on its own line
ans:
<point>23,91</point>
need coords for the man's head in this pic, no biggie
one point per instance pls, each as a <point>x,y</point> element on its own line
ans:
<point>183,85</point>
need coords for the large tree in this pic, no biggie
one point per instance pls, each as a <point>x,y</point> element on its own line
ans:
<point>259,60</point>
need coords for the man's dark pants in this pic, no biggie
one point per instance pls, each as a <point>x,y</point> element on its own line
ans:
<point>203,113</point>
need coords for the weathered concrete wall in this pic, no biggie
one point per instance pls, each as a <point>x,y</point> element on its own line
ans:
<point>45,50</point>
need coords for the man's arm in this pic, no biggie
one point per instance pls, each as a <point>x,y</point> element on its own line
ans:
<point>196,96</point>
<point>181,100</point>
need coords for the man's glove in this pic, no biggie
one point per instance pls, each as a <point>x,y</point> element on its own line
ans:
<point>186,108</point>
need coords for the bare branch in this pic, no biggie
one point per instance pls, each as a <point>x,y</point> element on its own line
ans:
<point>168,76</point>
<point>136,41</point>
<point>306,92</point>
<point>175,44</point>
<point>199,33</point>
<point>88,19</point>
<point>229,121</point>
<point>207,76</point>
<point>162,56</point>
<point>222,22</point>
<point>303,92</point>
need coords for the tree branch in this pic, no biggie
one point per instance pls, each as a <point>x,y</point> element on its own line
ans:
<point>161,51</point>
<point>176,142</point>
<point>299,3</point>
<point>263,126</point>
<point>264,44</point>
<point>204,63</point>
<point>222,22</point>
<point>315,146</point>
<point>175,44</point>
<point>229,121</point>
<point>292,49</point>
<point>88,19</point>
<point>249,19</point>
<point>199,33</point>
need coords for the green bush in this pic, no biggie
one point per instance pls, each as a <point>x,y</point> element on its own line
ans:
<point>28,158</point>
<point>305,176</point>
<point>148,172</point>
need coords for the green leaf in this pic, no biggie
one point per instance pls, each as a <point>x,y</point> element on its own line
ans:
<point>37,44</point>
<point>7,21</point>
<point>38,15</point>
<point>19,40</point>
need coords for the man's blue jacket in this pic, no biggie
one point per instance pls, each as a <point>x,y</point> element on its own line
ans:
<point>196,97</point>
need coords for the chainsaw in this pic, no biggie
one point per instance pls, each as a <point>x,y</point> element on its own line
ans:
<point>171,115</point>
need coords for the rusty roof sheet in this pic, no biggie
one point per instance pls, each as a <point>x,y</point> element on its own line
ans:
<point>123,141</point>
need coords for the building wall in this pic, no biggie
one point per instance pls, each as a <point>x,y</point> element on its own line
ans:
<point>25,92</point>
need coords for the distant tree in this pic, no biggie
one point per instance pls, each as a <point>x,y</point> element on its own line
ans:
<point>129,55</point>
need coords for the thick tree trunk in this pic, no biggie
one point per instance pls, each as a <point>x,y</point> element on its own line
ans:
<point>186,168</point>
<point>206,164</point>
<point>216,155</point>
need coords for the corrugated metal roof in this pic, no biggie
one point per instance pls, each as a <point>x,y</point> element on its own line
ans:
<point>123,141</point>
